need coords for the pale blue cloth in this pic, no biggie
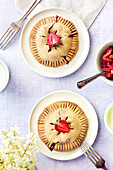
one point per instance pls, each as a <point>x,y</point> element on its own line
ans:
<point>26,87</point>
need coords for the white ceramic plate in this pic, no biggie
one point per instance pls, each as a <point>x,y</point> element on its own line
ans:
<point>64,96</point>
<point>75,63</point>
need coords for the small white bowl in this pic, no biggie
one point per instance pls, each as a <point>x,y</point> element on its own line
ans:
<point>4,75</point>
<point>98,61</point>
<point>108,118</point>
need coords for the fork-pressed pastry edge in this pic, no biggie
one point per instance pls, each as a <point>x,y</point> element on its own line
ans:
<point>48,110</point>
<point>74,44</point>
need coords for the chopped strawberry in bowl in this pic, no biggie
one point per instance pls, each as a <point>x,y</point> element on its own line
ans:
<point>104,62</point>
<point>107,62</point>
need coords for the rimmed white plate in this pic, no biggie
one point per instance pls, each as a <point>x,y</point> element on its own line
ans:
<point>75,63</point>
<point>64,96</point>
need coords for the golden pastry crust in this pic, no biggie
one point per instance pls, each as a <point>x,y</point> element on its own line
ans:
<point>68,34</point>
<point>76,119</point>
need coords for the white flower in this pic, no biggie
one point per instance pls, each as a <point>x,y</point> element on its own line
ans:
<point>15,130</point>
<point>18,153</point>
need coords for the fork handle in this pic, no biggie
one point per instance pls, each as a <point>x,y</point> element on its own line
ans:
<point>36,2</point>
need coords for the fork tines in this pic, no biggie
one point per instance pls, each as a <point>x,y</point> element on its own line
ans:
<point>90,153</point>
<point>7,37</point>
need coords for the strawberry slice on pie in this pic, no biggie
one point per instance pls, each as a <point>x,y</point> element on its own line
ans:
<point>53,39</point>
<point>62,126</point>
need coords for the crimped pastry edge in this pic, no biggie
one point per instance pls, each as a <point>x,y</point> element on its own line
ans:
<point>74,44</point>
<point>78,111</point>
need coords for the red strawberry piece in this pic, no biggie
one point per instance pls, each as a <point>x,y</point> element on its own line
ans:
<point>103,65</point>
<point>62,126</point>
<point>53,39</point>
<point>110,66</point>
<point>103,62</point>
<point>111,60</point>
<point>105,59</point>
<point>106,69</point>
<point>107,64</point>
<point>108,75</point>
<point>111,56</point>
<point>108,52</point>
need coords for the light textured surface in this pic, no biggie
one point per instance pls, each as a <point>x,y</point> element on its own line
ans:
<point>26,87</point>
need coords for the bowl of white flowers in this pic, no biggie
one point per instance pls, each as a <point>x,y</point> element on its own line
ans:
<point>17,152</point>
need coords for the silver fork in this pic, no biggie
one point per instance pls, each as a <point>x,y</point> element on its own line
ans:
<point>14,28</point>
<point>93,156</point>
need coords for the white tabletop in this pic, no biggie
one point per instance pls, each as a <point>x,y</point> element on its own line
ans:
<point>26,87</point>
